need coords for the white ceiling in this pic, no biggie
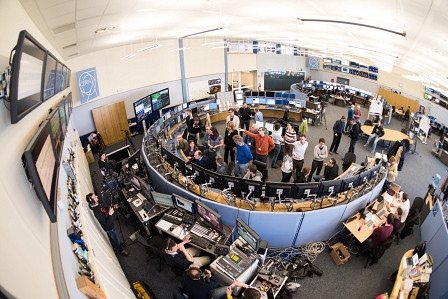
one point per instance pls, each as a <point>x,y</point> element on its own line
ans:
<point>70,26</point>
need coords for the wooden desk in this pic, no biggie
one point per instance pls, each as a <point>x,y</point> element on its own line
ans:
<point>389,135</point>
<point>399,113</point>
<point>339,101</point>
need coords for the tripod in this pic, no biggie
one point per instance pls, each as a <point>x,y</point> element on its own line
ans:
<point>128,138</point>
<point>322,116</point>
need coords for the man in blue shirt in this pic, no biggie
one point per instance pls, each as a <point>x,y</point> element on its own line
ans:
<point>350,115</point>
<point>258,115</point>
<point>249,140</point>
<point>243,156</point>
<point>338,128</point>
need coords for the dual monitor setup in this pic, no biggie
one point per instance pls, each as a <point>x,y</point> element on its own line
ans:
<point>208,217</point>
<point>270,98</point>
<point>151,103</point>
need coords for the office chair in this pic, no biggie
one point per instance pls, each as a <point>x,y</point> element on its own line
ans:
<point>152,247</point>
<point>376,253</point>
<point>263,168</point>
<point>177,272</point>
<point>411,220</point>
<point>178,293</point>
<point>230,168</point>
<point>349,158</point>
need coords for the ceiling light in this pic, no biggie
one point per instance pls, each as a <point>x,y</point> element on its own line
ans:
<point>353,22</point>
<point>200,32</point>
<point>375,51</point>
<point>128,56</point>
<point>221,47</point>
<point>104,29</point>
<point>181,49</point>
<point>215,43</point>
<point>150,48</point>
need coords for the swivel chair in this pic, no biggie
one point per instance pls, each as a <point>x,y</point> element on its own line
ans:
<point>349,158</point>
<point>152,247</point>
<point>230,168</point>
<point>178,293</point>
<point>263,168</point>
<point>376,253</point>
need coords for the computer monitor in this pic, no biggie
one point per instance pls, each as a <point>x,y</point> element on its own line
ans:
<point>240,102</point>
<point>269,126</point>
<point>239,96</point>
<point>374,171</point>
<point>269,94</point>
<point>162,199</point>
<point>257,101</point>
<point>213,178</point>
<point>255,187</point>
<point>305,190</point>
<point>278,95</point>
<point>292,95</point>
<point>210,217</point>
<point>247,234</point>
<point>255,93</point>
<point>119,155</point>
<point>231,182</point>
<point>364,177</point>
<point>135,181</point>
<point>179,163</point>
<point>278,102</point>
<point>199,172</point>
<point>194,110</point>
<point>134,158</point>
<point>249,101</point>
<point>247,93</point>
<point>285,102</point>
<point>285,190</point>
<point>285,95</point>
<point>213,106</point>
<point>330,188</point>
<point>184,204</point>
<point>349,183</point>
<point>261,93</point>
<point>206,107</point>
<point>262,101</point>
<point>259,124</point>
<point>166,155</point>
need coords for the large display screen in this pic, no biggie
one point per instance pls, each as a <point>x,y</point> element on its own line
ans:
<point>160,99</point>
<point>143,108</point>
<point>50,77</point>
<point>59,78</point>
<point>56,133</point>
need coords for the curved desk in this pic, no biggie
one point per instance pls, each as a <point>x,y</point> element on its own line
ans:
<point>389,135</point>
<point>280,228</point>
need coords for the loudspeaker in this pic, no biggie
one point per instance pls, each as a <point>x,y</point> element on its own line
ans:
<point>263,247</point>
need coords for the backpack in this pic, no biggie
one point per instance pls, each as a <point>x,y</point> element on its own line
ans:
<point>420,249</point>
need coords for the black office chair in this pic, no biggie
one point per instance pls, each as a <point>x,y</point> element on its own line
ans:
<point>411,220</point>
<point>152,247</point>
<point>263,168</point>
<point>178,293</point>
<point>376,253</point>
<point>212,157</point>
<point>230,168</point>
<point>177,272</point>
<point>349,158</point>
<point>418,205</point>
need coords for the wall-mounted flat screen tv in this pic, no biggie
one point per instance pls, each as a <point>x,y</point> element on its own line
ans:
<point>49,76</point>
<point>27,68</point>
<point>142,108</point>
<point>160,99</point>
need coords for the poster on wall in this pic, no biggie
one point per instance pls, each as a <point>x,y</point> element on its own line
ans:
<point>87,85</point>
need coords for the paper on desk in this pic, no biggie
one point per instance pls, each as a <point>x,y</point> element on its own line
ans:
<point>389,199</point>
<point>179,232</point>
<point>165,225</point>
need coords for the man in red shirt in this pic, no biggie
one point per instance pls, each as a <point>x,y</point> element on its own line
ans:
<point>263,144</point>
<point>380,233</point>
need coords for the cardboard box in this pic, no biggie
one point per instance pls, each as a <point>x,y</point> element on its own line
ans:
<point>89,156</point>
<point>89,289</point>
<point>339,254</point>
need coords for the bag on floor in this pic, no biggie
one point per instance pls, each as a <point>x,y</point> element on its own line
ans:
<point>142,291</point>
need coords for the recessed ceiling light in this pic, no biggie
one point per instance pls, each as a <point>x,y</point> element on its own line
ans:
<point>438,52</point>
<point>128,56</point>
<point>150,48</point>
<point>104,29</point>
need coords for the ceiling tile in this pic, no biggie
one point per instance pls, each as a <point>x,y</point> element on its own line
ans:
<point>89,22</point>
<point>44,4</point>
<point>84,4</point>
<point>90,13</point>
<point>85,33</point>
<point>66,38</point>
<point>61,20</point>
<point>59,9</point>
<point>112,20</point>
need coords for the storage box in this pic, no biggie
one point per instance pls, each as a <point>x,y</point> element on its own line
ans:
<point>339,253</point>
<point>89,157</point>
<point>89,289</point>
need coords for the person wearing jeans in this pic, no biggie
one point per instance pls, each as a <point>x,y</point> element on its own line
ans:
<point>338,128</point>
<point>277,138</point>
<point>298,153</point>
<point>243,156</point>
<point>377,133</point>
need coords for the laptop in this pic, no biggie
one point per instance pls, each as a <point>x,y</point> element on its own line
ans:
<point>369,220</point>
<point>380,211</point>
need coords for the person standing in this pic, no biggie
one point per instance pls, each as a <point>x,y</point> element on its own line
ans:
<point>189,117</point>
<point>287,164</point>
<point>245,114</point>
<point>377,133</point>
<point>229,144</point>
<point>104,216</point>
<point>300,147</point>
<point>251,141</point>
<point>290,134</point>
<point>320,154</point>
<point>258,116</point>
<point>243,156</point>
<point>263,144</point>
<point>338,128</point>
<point>215,142</point>
<point>354,135</point>
<point>392,173</point>
<point>277,138</point>
<point>358,113</point>
<point>350,115</point>
<point>205,139</point>
<point>232,117</point>
<point>194,128</point>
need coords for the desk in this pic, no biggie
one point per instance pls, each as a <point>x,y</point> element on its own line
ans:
<point>260,283</point>
<point>338,101</point>
<point>349,171</point>
<point>312,105</point>
<point>155,211</point>
<point>389,135</point>
<point>312,115</point>
<point>399,114</point>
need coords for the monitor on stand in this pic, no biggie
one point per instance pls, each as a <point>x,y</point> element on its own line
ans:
<point>349,183</point>
<point>179,164</point>
<point>231,182</point>
<point>279,190</point>
<point>251,188</point>
<point>199,173</point>
<point>248,234</point>
<point>306,191</point>
<point>212,178</point>
<point>209,217</point>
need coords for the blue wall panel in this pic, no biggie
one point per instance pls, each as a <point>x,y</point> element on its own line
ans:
<point>437,247</point>
<point>432,223</point>
<point>439,287</point>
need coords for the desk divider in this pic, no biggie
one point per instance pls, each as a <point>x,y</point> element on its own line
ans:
<point>432,223</point>
<point>439,288</point>
<point>437,247</point>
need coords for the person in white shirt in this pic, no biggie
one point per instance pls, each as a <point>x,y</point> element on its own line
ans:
<point>299,153</point>
<point>405,207</point>
<point>233,117</point>
<point>277,138</point>
<point>320,154</point>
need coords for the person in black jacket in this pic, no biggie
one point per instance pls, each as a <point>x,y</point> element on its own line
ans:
<point>338,128</point>
<point>245,114</point>
<point>105,165</point>
<point>330,172</point>
<point>193,129</point>
<point>199,286</point>
<point>377,133</point>
<point>202,160</point>
<point>104,216</point>
<point>302,176</point>
<point>179,257</point>
<point>354,135</point>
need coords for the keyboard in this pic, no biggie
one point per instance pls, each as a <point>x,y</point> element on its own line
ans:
<point>199,241</point>
<point>172,219</point>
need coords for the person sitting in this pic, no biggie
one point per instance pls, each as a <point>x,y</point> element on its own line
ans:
<point>105,165</point>
<point>205,139</point>
<point>196,285</point>
<point>192,148</point>
<point>405,207</point>
<point>330,172</point>
<point>397,219</point>
<point>377,133</point>
<point>248,293</point>
<point>380,233</point>
<point>253,173</point>
<point>302,176</point>
<point>221,166</point>
<point>201,160</point>
<point>179,257</point>
<point>181,144</point>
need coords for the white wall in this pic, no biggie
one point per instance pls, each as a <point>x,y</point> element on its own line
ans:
<point>25,254</point>
<point>202,60</point>
<point>276,62</point>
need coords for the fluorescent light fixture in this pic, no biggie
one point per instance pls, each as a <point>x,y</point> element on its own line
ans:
<point>200,32</point>
<point>277,38</point>
<point>353,22</point>
<point>215,43</point>
<point>150,48</point>
<point>375,51</point>
<point>181,49</point>
<point>128,56</point>
<point>221,47</point>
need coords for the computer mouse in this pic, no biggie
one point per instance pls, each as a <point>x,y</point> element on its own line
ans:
<point>171,228</point>
<point>209,246</point>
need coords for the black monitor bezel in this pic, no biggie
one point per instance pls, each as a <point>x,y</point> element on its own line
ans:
<point>151,95</point>
<point>175,202</point>
<point>134,156</point>
<point>301,186</point>
<point>274,186</point>
<point>250,231</point>
<point>200,179</point>
<point>139,187</point>
<point>366,174</point>
<point>168,195</point>
<point>145,115</point>
<point>217,215</point>
<point>181,163</point>
<point>54,76</point>
<point>346,182</point>
<point>336,183</point>
<point>236,189</point>
<point>246,183</point>
<point>216,176</point>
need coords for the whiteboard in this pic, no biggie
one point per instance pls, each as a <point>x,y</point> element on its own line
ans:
<point>376,107</point>
<point>424,124</point>
<point>200,89</point>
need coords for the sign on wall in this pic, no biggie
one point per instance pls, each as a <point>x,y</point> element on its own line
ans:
<point>87,85</point>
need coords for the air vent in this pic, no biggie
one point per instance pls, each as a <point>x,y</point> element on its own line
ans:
<point>64,28</point>
<point>73,55</point>
<point>69,46</point>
